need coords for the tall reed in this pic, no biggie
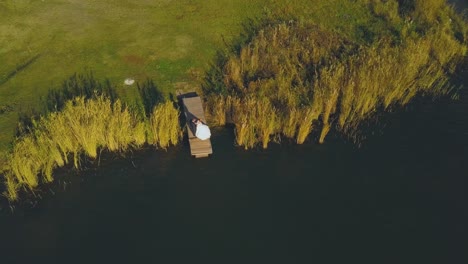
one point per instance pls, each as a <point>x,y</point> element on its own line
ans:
<point>244,119</point>
<point>294,75</point>
<point>309,115</point>
<point>266,120</point>
<point>84,127</point>
<point>164,129</point>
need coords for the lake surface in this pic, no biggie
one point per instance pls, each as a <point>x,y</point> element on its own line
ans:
<point>399,198</point>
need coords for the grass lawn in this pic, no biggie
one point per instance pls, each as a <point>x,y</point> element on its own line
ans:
<point>171,42</point>
<point>44,42</point>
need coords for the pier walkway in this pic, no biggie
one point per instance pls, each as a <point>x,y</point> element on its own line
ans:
<point>193,108</point>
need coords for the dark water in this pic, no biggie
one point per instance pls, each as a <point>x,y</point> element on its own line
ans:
<point>400,198</point>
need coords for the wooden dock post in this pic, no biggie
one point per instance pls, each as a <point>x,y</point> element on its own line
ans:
<point>193,109</point>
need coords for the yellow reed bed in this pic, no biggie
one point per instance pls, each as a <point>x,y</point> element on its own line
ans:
<point>292,78</point>
<point>84,127</point>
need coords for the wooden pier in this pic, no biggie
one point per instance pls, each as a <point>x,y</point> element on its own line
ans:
<point>193,109</point>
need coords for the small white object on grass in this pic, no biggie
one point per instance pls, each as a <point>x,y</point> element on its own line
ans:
<point>129,81</point>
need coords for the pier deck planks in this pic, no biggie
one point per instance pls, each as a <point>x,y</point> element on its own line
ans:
<point>193,109</point>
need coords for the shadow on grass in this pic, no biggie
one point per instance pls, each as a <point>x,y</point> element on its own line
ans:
<point>150,96</point>
<point>19,69</point>
<point>84,85</point>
